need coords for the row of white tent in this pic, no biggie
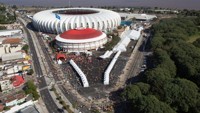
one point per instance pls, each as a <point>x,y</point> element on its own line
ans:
<point>81,74</point>
<point>110,67</point>
<point>126,37</point>
<point>106,54</point>
<point>123,43</point>
<point>120,47</point>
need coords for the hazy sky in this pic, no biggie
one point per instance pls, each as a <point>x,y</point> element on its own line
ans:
<point>189,4</point>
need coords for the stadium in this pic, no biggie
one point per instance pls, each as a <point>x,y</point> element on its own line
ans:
<point>60,20</point>
<point>81,40</point>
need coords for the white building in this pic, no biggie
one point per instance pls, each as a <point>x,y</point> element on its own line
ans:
<point>6,85</point>
<point>141,17</point>
<point>13,56</point>
<point>21,108</point>
<point>61,20</point>
<point>10,32</point>
<point>9,45</point>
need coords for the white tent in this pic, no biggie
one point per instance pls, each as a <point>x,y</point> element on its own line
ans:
<point>121,46</point>
<point>81,74</point>
<point>110,67</point>
<point>59,61</point>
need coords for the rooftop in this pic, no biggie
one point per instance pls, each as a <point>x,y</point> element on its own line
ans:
<point>10,98</point>
<point>81,33</point>
<point>11,41</point>
<point>60,56</point>
<point>17,80</point>
<point>29,109</point>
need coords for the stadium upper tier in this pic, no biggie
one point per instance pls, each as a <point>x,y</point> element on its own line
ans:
<point>61,20</point>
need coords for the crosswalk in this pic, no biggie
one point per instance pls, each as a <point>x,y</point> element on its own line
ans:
<point>46,87</point>
<point>38,76</point>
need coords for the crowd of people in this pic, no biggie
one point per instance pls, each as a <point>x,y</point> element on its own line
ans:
<point>93,67</point>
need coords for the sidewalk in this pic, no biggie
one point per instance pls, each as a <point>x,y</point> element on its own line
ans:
<point>52,93</point>
<point>65,99</point>
<point>40,106</point>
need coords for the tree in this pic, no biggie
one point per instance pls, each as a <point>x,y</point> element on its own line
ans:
<point>14,7</point>
<point>181,94</point>
<point>157,42</point>
<point>6,108</point>
<point>30,72</point>
<point>144,88</point>
<point>25,48</point>
<point>30,88</point>
<point>197,43</point>
<point>196,109</point>
<point>164,62</point>
<point>157,80</point>
<point>131,93</point>
<point>150,104</point>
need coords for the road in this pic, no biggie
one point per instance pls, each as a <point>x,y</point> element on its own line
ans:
<point>138,60</point>
<point>57,78</point>
<point>45,95</point>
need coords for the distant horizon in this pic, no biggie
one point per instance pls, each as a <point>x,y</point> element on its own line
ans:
<point>172,4</point>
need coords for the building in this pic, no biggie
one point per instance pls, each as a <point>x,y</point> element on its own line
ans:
<point>10,32</point>
<point>29,109</point>
<point>13,69</point>
<point>61,20</point>
<point>10,45</point>
<point>81,40</point>
<point>139,17</point>
<point>12,56</point>
<point>22,108</point>
<point>6,85</point>
<point>17,81</point>
<point>12,100</point>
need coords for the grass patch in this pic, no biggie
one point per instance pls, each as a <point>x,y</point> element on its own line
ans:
<point>193,38</point>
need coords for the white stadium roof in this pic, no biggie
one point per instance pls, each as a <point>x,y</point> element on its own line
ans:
<point>60,20</point>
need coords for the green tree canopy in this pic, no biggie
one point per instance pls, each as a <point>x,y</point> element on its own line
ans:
<point>197,43</point>
<point>30,88</point>
<point>150,104</point>
<point>144,88</point>
<point>25,48</point>
<point>181,94</point>
<point>131,93</point>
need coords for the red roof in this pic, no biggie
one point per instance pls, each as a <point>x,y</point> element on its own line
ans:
<point>77,34</point>
<point>1,107</point>
<point>18,80</point>
<point>60,56</point>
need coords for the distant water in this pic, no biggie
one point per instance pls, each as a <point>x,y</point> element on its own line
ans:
<point>180,4</point>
